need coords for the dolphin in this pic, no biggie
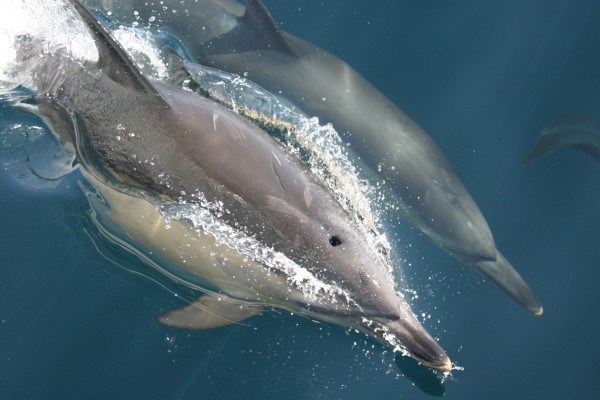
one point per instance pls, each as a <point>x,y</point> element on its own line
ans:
<point>281,239</point>
<point>246,40</point>
<point>569,128</point>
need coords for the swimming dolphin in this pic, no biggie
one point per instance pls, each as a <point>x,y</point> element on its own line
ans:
<point>569,128</point>
<point>143,143</point>
<point>225,35</point>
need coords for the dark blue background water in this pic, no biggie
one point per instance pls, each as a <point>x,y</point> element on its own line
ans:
<point>482,78</point>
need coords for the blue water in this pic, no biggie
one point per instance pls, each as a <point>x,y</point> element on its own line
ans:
<point>482,78</point>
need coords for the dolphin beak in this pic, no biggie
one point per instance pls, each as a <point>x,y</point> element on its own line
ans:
<point>409,334</point>
<point>430,354</point>
<point>424,348</point>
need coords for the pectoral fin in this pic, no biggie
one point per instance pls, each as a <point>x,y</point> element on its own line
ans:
<point>208,312</point>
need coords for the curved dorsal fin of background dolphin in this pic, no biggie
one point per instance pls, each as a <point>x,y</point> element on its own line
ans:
<point>569,128</point>
<point>159,143</point>
<point>423,181</point>
<point>258,24</point>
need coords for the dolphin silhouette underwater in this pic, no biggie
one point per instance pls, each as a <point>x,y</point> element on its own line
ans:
<point>570,128</point>
<point>142,142</point>
<point>246,40</point>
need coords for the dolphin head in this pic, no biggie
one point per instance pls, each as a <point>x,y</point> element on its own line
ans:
<point>451,219</point>
<point>431,193</point>
<point>376,308</point>
<point>370,301</point>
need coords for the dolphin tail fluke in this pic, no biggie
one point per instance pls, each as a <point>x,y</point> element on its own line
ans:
<point>569,128</point>
<point>208,312</point>
<point>508,279</point>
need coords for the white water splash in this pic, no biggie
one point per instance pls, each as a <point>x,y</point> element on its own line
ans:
<point>204,217</point>
<point>49,22</point>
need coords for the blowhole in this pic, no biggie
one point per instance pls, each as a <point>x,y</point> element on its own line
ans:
<point>335,240</point>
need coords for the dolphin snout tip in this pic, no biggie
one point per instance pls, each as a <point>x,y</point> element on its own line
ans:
<point>538,311</point>
<point>445,366</point>
<point>442,364</point>
<point>428,352</point>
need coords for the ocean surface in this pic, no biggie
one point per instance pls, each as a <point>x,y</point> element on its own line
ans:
<point>77,314</point>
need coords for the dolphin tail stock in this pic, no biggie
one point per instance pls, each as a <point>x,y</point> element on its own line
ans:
<point>502,273</point>
<point>569,128</point>
<point>209,311</point>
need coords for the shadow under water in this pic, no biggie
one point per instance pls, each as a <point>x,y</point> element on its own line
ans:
<point>423,377</point>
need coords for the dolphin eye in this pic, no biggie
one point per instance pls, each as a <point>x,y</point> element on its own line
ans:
<point>335,240</point>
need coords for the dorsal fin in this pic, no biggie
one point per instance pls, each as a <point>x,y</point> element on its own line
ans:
<point>259,21</point>
<point>112,59</point>
<point>571,119</point>
<point>256,30</point>
<point>178,72</point>
<point>569,128</point>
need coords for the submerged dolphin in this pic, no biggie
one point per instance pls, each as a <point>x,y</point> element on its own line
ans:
<point>225,35</point>
<point>569,128</point>
<point>142,142</point>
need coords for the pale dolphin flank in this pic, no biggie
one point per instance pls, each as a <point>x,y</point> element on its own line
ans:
<point>224,35</point>
<point>141,142</point>
<point>569,128</point>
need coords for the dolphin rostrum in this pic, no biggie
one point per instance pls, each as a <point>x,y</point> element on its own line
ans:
<point>225,35</point>
<point>569,128</point>
<point>282,240</point>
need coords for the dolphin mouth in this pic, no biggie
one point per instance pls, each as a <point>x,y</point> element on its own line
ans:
<point>470,257</point>
<point>365,312</point>
<point>431,357</point>
<point>408,334</point>
<point>425,348</point>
